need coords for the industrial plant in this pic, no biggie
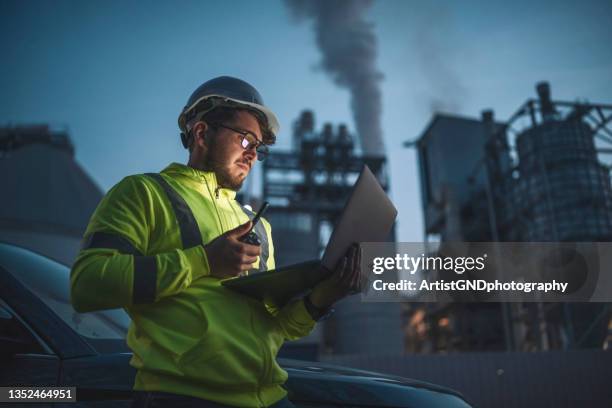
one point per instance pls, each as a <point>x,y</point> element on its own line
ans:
<point>308,187</point>
<point>540,176</point>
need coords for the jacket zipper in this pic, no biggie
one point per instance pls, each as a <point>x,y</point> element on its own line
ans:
<point>214,202</point>
<point>265,372</point>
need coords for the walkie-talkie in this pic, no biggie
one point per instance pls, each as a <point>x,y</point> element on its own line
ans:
<point>251,237</point>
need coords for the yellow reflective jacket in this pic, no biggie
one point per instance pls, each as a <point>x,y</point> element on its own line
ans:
<point>191,336</point>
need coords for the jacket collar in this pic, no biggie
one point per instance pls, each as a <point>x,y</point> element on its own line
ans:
<point>208,178</point>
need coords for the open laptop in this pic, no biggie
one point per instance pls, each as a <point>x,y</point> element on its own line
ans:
<point>367,217</point>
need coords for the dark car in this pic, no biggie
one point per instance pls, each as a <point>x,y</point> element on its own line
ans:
<point>44,342</point>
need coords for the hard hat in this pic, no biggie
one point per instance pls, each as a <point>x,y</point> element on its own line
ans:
<point>226,91</point>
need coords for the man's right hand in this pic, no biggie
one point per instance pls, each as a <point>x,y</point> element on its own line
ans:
<point>227,256</point>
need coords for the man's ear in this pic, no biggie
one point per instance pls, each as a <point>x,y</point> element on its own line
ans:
<point>200,133</point>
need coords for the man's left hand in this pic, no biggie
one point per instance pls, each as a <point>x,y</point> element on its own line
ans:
<point>344,281</point>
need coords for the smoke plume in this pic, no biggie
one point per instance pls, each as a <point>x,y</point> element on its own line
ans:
<point>348,47</point>
<point>437,55</point>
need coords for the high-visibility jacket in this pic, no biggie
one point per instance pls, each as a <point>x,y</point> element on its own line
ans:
<point>189,334</point>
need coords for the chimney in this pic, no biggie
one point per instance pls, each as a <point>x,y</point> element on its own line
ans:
<point>547,109</point>
<point>488,120</point>
<point>487,115</point>
<point>343,133</point>
<point>303,129</point>
<point>307,121</point>
<point>328,133</point>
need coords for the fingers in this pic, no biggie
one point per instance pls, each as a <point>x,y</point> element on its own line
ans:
<point>228,257</point>
<point>246,249</point>
<point>345,264</point>
<point>244,257</point>
<point>239,230</point>
<point>239,265</point>
<point>246,266</point>
<point>347,278</point>
<point>239,257</point>
<point>350,281</point>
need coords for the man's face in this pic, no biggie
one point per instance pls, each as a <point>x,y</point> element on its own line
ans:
<point>226,157</point>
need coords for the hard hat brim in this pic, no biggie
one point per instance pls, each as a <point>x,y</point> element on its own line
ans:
<point>273,124</point>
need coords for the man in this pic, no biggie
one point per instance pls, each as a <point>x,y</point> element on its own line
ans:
<point>158,246</point>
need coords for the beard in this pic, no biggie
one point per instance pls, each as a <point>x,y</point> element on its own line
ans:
<point>219,165</point>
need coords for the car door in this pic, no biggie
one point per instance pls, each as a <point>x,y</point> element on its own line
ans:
<point>25,359</point>
<point>47,343</point>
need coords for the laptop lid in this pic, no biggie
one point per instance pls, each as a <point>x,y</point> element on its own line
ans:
<point>367,217</point>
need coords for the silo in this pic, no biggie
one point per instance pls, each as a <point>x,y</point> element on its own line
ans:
<point>565,191</point>
<point>47,196</point>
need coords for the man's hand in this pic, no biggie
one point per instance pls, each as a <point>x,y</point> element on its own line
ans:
<point>227,256</point>
<point>344,281</point>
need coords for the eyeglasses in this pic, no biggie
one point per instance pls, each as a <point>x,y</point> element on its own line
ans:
<point>248,140</point>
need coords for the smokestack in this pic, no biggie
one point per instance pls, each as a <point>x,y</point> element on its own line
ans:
<point>343,135</point>
<point>303,129</point>
<point>328,133</point>
<point>488,120</point>
<point>487,115</point>
<point>547,108</point>
<point>307,121</point>
<point>348,46</point>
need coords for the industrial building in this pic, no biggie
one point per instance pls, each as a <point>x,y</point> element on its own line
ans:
<point>481,180</point>
<point>37,165</point>
<point>540,176</point>
<point>308,187</point>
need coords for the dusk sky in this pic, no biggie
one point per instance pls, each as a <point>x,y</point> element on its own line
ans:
<point>116,74</point>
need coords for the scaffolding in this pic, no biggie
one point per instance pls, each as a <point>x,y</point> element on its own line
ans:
<point>308,188</point>
<point>313,181</point>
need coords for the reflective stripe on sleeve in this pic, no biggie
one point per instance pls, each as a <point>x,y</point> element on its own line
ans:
<point>109,241</point>
<point>144,287</point>
<point>145,280</point>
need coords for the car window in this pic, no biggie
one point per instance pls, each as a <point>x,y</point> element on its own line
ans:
<point>15,335</point>
<point>49,281</point>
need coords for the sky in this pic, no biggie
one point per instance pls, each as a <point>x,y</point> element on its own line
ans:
<point>116,74</point>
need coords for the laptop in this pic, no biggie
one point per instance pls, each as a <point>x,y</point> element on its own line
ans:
<point>368,216</point>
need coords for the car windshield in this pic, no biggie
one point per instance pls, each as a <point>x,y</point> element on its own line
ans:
<point>50,281</point>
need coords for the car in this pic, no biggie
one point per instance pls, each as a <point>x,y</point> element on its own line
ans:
<point>45,342</point>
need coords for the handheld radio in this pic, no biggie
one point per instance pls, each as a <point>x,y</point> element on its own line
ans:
<point>250,237</point>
